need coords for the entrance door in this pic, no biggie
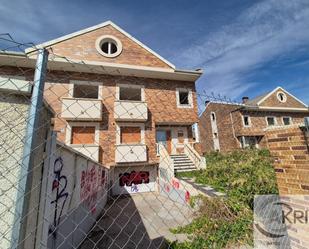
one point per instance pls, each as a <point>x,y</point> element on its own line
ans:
<point>164,137</point>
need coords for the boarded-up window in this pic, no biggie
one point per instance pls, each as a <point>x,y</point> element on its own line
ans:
<point>83,135</point>
<point>130,135</point>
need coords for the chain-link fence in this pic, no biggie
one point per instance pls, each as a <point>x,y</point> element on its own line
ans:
<point>92,155</point>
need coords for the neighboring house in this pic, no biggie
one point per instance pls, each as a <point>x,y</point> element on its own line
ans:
<point>119,103</point>
<point>229,126</point>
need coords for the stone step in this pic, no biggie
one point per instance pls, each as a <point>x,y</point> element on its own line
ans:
<point>182,161</point>
<point>185,170</point>
<point>179,155</point>
<point>183,164</point>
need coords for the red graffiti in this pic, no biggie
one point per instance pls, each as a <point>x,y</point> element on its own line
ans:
<point>175,184</point>
<point>92,181</point>
<point>167,188</point>
<point>127,179</point>
<point>187,196</point>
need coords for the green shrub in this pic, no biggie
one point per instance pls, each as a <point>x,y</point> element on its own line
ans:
<point>221,222</point>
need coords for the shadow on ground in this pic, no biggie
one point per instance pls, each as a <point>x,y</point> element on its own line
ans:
<point>139,221</point>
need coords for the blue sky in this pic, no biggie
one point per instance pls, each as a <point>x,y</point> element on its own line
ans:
<point>245,47</point>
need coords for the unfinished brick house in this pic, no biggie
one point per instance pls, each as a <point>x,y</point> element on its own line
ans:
<point>115,100</point>
<point>228,126</point>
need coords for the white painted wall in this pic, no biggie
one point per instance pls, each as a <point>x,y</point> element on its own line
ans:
<point>125,180</point>
<point>76,193</point>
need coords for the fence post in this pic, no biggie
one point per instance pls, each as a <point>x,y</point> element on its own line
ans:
<point>20,215</point>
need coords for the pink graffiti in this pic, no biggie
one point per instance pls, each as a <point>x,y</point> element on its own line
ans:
<point>175,184</point>
<point>92,181</point>
<point>167,188</point>
<point>187,196</point>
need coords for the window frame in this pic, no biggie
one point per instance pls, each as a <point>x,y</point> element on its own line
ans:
<point>83,82</point>
<point>284,97</point>
<point>249,120</point>
<point>247,145</point>
<point>124,85</point>
<point>108,38</point>
<point>118,132</point>
<point>290,119</point>
<point>190,99</point>
<point>213,114</point>
<point>275,121</point>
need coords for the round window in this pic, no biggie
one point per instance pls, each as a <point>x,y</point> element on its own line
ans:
<point>109,46</point>
<point>281,97</point>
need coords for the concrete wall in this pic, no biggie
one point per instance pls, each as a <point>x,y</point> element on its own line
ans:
<point>170,186</point>
<point>75,194</point>
<point>13,122</point>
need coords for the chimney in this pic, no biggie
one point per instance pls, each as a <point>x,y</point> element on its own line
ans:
<point>245,99</point>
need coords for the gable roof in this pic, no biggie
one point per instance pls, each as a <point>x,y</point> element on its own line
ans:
<point>95,27</point>
<point>256,100</point>
<point>265,96</point>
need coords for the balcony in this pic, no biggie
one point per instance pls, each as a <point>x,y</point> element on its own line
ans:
<point>125,110</point>
<point>128,153</point>
<point>81,109</point>
<point>89,150</point>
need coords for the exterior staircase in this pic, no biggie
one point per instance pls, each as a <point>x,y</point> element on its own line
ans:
<point>182,163</point>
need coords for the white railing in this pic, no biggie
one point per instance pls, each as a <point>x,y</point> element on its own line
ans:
<point>166,165</point>
<point>81,109</point>
<point>83,184</point>
<point>199,161</point>
<point>130,110</point>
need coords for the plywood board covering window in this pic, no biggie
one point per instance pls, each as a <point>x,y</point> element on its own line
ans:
<point>83,135</point>
<point>130,135</point>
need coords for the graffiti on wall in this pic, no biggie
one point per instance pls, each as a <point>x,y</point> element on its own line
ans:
<point>59,186</point>
<point>172,187</point>
<point>92,181</point>
<point>134,178</point>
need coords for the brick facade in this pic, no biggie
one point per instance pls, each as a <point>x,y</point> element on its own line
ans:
<point>82,47</point>
<point>290,101</point>
<point>160,94</point>
<point>289,147</point>
<point>224,124</point>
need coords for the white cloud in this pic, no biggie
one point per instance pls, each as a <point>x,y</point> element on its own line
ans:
<point>264,32</point>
